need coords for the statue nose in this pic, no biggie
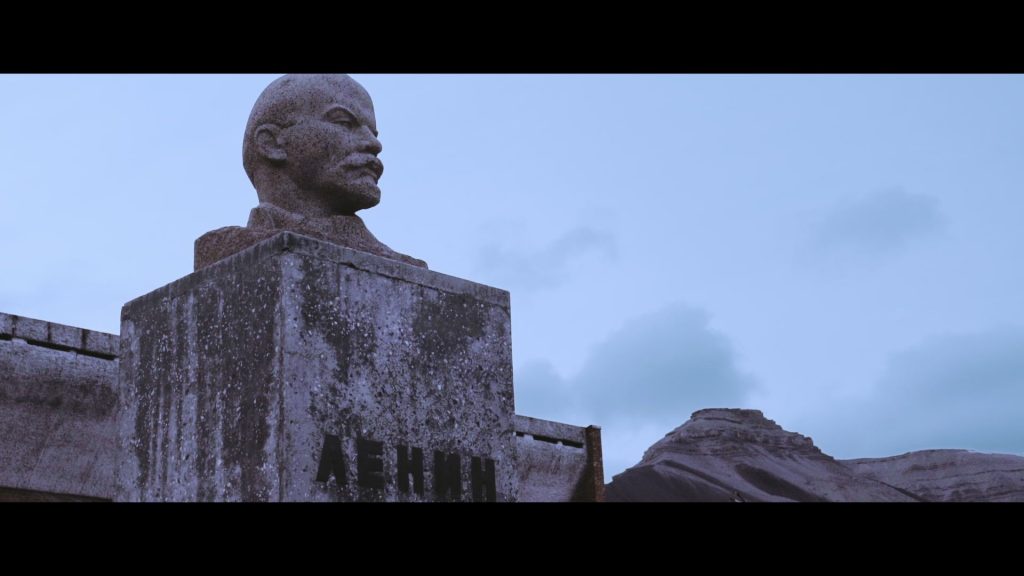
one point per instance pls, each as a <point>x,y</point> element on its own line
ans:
<point>370,142</point>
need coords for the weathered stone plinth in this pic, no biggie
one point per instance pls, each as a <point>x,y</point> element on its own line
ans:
<point>301,370</point>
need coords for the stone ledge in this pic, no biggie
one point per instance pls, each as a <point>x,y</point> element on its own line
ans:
<point>58,336</point>
<point>297,243</point>
<point>551,431</point>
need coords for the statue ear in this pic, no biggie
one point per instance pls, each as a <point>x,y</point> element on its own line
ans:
<point>268,143</point>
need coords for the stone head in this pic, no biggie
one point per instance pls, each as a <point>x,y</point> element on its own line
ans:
<point>311,145</point>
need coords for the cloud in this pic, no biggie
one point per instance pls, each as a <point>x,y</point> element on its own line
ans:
<point>962,365</point>
<point>548,267</point>
<point>879,223</point>
<point>640,383</point>
<point>952,391</point>
<point>542,392</point>
<point>663,365</point>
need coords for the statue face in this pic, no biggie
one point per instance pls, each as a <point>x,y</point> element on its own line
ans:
<point>332,147</point>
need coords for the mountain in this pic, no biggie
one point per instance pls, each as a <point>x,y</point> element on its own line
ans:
<point>723,455</point>
<point>949,475</point>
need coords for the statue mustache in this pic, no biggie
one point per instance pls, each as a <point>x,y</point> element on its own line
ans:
<point>364,161</point>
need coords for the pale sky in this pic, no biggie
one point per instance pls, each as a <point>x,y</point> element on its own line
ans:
<point>836,251</point>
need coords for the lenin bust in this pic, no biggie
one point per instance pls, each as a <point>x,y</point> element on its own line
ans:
<point>310,150</point>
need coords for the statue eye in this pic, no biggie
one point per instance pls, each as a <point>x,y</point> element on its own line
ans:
<point>342,118</point>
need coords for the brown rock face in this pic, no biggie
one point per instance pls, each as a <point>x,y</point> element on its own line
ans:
<point>739,455</point>
<point>723,455</point>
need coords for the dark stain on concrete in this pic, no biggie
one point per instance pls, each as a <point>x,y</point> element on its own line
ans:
<point>443,326</point>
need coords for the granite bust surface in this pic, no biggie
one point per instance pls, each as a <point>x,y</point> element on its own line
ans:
<point>310,150</point>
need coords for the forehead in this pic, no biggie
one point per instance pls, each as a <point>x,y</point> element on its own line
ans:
<point>333,92</point>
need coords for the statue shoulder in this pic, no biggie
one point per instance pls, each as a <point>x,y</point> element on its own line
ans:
<point>218,244</point>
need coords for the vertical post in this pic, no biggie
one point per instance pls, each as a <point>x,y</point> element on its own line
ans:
<point>591,486</point>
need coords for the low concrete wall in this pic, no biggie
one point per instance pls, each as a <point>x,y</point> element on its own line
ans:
<point>57,400</point>
<point>57,431</point>
<point>558,462</point>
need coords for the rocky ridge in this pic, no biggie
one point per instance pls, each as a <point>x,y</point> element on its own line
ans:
<point>739,455</point>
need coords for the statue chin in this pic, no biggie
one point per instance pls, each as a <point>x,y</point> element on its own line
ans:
<point>356,198</point>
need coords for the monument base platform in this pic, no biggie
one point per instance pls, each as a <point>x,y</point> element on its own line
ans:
<point>298,370</point>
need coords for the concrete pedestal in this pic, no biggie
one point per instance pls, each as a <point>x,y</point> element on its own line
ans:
<point>298,370</point>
